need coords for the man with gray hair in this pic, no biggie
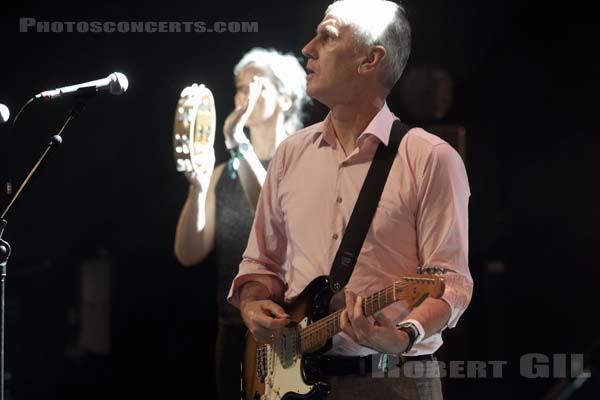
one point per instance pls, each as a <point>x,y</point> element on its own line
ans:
<point>357,55</point>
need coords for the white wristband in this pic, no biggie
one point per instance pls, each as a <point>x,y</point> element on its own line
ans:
<point>419,328</point>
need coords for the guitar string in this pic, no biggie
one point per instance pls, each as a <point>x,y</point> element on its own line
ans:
<point>312,334</point>
<point>331,322</point>
<point>335,316</point>
<point>368,302</point>
<point>370,299</point>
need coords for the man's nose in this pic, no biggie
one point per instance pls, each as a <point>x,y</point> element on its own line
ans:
<point>308,50</point>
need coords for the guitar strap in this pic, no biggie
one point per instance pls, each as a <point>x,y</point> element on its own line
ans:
<point>364,209</point>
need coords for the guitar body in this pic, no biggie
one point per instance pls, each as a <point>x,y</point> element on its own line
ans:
<point>279,371</point>
<point>288,368</point>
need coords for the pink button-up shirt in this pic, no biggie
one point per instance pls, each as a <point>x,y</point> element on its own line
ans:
<point>308,197</point>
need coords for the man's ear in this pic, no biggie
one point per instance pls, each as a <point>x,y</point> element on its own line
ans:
<point>285,102</point>
<point>372,60</point>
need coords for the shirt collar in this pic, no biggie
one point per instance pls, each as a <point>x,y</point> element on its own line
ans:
<point>379,127</point>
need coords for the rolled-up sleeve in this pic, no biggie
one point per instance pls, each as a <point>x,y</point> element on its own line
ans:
<point>442,224</point>
<point>264,259</point>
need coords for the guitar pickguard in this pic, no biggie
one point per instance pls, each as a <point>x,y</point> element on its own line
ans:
<point>284,378</point>
<point>283,372</point>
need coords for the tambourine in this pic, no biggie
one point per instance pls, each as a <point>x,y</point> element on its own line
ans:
<point>194,127</point>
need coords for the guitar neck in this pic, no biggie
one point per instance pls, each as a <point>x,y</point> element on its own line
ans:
<point>315,335</point>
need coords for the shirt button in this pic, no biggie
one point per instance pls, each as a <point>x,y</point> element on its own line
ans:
<point>335,236</point>
<point>339,199</point>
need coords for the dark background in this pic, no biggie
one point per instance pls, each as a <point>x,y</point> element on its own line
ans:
<point>526,92</point>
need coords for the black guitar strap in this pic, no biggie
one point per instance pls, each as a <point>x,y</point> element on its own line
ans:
<point>364,209</point>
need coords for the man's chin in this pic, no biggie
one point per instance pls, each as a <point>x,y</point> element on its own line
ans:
<point>313,93</point>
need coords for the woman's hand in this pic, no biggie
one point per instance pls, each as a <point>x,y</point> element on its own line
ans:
<point>204,165</point>
<point>233,128</point>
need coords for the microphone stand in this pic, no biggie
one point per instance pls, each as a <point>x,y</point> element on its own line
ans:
<point>5,249</point>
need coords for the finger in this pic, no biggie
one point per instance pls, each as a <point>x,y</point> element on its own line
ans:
<point>275,309</point>
<point>360,324</point>
<point>268,321</point>
<point>248,110</point>
<point>253,86</point>
<point>256,88</point>
<point>364,328</point>
<point>246,105</point>
<point>350,299</point>
<point>344,322</point>
<point>260,83</point>
<point>358,309</point>
<point>277,323</point>
<point>252,100</point>
<point>346,325</point>
<point>257,81</point>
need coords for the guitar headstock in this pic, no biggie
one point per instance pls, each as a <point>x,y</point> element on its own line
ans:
<point>416,288</point>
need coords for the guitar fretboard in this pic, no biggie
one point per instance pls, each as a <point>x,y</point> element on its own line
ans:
<point>315,335</point>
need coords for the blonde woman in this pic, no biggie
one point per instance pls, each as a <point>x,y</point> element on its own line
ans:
<point>219,210</point>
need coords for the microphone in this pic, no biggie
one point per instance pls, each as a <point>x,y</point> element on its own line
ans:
<point>116,83</point>
<point>4,114</point>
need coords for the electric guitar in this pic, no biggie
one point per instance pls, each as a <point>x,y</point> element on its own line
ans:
<point>286,369</point>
